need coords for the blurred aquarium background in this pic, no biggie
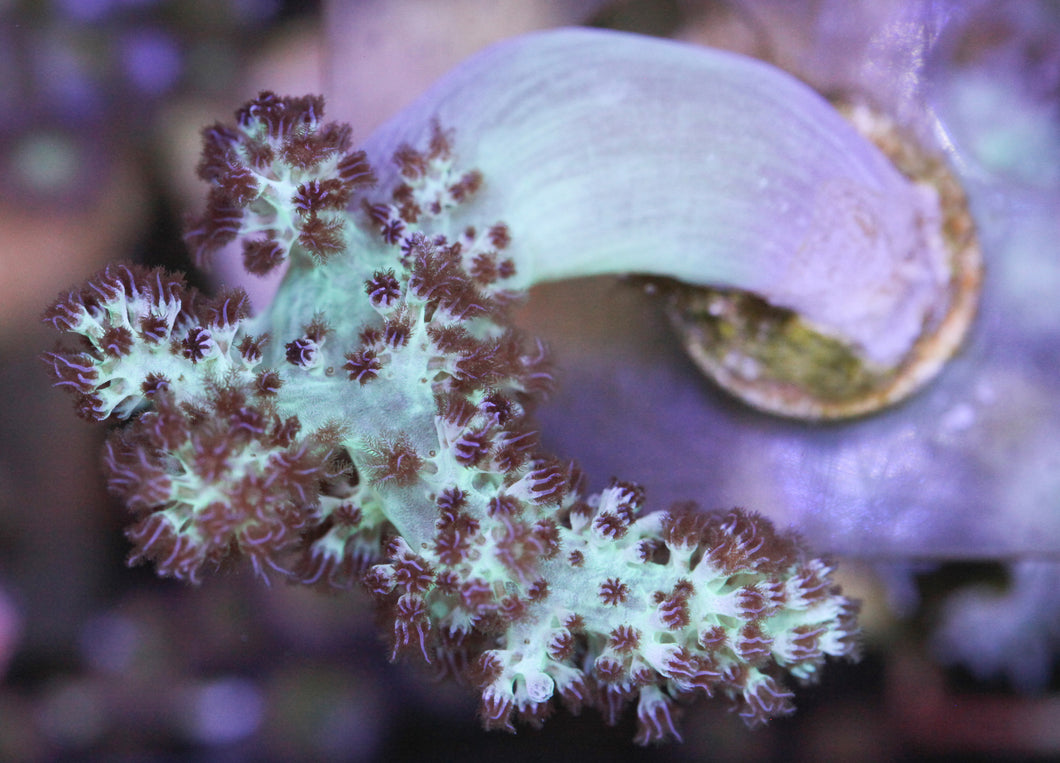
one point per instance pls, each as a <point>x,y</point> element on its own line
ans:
<point>945,514</point>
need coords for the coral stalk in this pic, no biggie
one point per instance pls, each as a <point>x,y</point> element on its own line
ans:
<point>613,153</point>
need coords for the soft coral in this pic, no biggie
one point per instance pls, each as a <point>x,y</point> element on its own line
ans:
<point>390,441</point>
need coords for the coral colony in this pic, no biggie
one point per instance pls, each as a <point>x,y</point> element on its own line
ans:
<point>373,425</point>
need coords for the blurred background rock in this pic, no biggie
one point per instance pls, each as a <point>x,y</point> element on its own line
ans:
<point>101,102</point>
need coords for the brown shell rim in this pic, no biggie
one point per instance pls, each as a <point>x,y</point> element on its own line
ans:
<point>930,352</point>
